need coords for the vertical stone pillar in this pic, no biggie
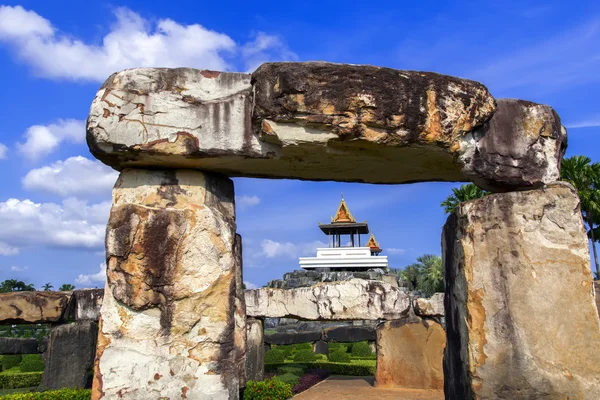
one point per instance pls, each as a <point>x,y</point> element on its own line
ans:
<point>167,320</point>
<point>240,313</point>
<point>255,357</point>
<point>521,318</point>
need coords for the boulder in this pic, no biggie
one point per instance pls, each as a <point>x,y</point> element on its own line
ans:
<point>86,303</point>
<point>597,292</point>
<point>18,346</point>
<point>521,147</point>
<point>168,313</point>
<point>33,307</point>
<point>350,334</point>
<point>239,339</point>
<point>410,353</point>
<point>280,338</point>
<point>431,307</point>
<point>70,356</point>
<point>346,300</point>
<point>521,318</point>
<point>255,355</point>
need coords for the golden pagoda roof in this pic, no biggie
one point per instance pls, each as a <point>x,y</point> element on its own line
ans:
<point>372,243</point>
<point>343,214</point>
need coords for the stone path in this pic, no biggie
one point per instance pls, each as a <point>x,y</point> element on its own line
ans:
<point>361,388</point>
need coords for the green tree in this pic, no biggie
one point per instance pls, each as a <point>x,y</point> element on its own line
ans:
<point>426,275</point>
<point>47,287</point>
<point>65,287</point>
<point>464,193</point>
<point>585,177</point>
<point>13,285</point>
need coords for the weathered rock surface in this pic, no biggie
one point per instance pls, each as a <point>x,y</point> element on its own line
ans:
<point>86,304</point>
<point>503,254</point>
<point>321,347</point>
<point>597,291</point>
<point>350,334</point>
<point>281,338</point>
<point>347,300</point>
<point>239,338</point>
<point>255,356</point>
<point>521,146</point>
<point>70,356</point>
<point>33,307</point>
<point>18,346</point>
<point>409,354</point>
<point>431,307</point>
<point>167,319</point>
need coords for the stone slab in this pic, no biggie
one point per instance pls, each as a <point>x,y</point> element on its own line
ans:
<point>521,318</point>
<point>18,346</point>
<point>350,334</point>
<point>33,307</point>
<point>410,353</point>
<point>321,347</point>
<point>86,304</point>
<point>430,307</point>
<point>255,355</point>
<point>281,338</point>
<point>347,300</point>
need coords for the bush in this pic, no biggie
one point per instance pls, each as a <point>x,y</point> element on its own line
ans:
<point>305,356</point>
<point>63,394</point>
<point>296,370</point>
<point>339,356</point>
<point>303,346</point>
<point>288,349</point>
<point>274,356</point>
<point>9,361</point>
<point>269,388</point>
<point>355,368</point>
<point>20,380</point>
<point>289,378</point>
<point>337,346</point>
<point>313,377</point>
<point>32,363</point>
<point>361,349</point>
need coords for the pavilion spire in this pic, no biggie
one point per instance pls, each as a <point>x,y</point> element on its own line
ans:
<point>343,214</point>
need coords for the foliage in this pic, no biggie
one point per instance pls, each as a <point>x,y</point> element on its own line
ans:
<point>291,369</point>
<point>267,389</point>
<point>63,394</point>
<point>10,360</point>
<point>426,275</point>
<point>464,193</point>
<point>339,356</point>
<point>20,380</point>
<point>289,378</point>
<point>13,285</point>
<point>305,356</point>
<point>287,349</point>
<point>274,356</point>
<point>47,287</point>
<point>361,349</point>
<point>333,346</point>
<point>585,178</point>
<point>303,346</point>
<point>313,377</point>
<point>31,363</point>
<point>66,287</point>
<point>354,368</point>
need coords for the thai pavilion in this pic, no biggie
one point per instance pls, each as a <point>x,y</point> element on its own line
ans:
<point>352,256</point>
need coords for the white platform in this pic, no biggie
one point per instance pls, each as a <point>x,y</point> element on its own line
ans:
<point>344,257</point>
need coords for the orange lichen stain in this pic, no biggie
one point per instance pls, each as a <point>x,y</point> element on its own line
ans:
<point>106,113</point>
<point>184,391</point>
<point>476,323</point>
<point>171,372</point>
<point>567,374</point>
<point>102,344</point>
<point>210,74</point>
<point>327,108</point>
<point>185,143</point>
<point>276,86</point>
<point>298,98</point>
<point>125,318</point>
<point>434,127</point>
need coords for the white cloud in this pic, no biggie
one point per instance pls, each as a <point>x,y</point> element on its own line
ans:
<point>74,224</point>
<point>3,151</point>
<point>41,140</point>
<point>272,249</point>
<point>394,251</point>
<point>18,269</point>
<point>73,176</point>
<point>586,123</point>
<point>131,42</point>
<point>246,201</point>
<point>6,250</point>
<point>250,285</point>
<point>98,277</point>
<point>261,50</point>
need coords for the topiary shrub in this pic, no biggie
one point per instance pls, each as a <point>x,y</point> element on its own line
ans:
<point>303,346</point>
<point>337,346</point>
<point>289,378</point>
<point>305,356</point>
<point>274,356</point>
<point>339,356</point>
<point>296,370</point>
<point>32,363</point>
<point>20,380</point>
<point>9,361</point>
<point>361,349</point>
<point>288,349</point>
<point>267,389</point>
<point>63,394</point>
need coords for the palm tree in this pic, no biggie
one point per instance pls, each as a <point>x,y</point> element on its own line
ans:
<point>431,278</point>
<point>464,193</point>
<point>66,287</point>
<point>585,177</point>
<point>47,287</point>
<point>13,285</point>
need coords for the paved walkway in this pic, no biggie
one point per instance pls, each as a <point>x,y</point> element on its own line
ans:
<point>361,388</point>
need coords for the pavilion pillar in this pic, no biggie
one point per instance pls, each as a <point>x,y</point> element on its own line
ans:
<point>167,326</point>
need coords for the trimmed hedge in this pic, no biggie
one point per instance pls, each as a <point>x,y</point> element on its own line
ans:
<point>289,378</point>
<point>63,394</point>
<point>267,389</point>
<point>303,346</point>
<point>305,356</point>
<point>296,370</point>
<point>356,368</point>
<point>32,363</point>
<point>287,349</point>
<point>274,356</point>
<point>20,380</point>
<point>10,360</point>
<point>339,356</point>
<point>361,349</point>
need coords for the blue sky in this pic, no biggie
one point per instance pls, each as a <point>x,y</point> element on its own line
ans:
<point>54,197</point>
